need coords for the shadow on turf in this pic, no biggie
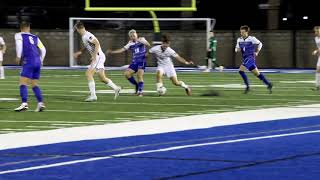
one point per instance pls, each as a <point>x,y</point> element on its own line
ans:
<point>211,92</point>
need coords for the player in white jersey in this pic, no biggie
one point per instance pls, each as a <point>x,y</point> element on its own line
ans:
<point>163,54</point>
<point>316,52</point>
<point>98,58</point>
<point>2,52</point>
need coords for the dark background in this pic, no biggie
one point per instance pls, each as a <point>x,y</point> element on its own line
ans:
<point>230,14</point>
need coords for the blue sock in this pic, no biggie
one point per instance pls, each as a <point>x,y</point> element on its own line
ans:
<point>140,86</point>
<point>37,93</point>
<point>262,78</point>
<point>245,78</point>
<point>24,93</point>
<point>132,81</point>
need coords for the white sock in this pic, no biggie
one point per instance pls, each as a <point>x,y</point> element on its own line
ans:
<point>1,72</point>
<point>159,85</point>
<point>112,85</point>
<point>92,88</point>
<point>317,79</point>
<point>183,85</point>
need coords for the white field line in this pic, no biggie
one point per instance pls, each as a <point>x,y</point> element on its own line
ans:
<point>101,120</point>
<point>173,148</point>
<point>24,121</point>
<point>45,127</point>
<point>17,129</point>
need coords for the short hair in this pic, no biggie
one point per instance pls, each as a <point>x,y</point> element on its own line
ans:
<point>165,38</point>
<point>131,32</point>
<point>24,24</point>
<point>316,28</point>
<point>79,25</point>
<point>245,27</point>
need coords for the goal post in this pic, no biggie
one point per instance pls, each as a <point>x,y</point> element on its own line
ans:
<point>189,36</point>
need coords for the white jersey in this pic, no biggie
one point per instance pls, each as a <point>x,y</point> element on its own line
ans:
<point>317,40</point>
<point>87,40</point>
<point>1,44</point>
<point>163,57</point>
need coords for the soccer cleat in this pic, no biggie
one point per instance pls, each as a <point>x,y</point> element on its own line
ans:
<point>140,93</point>
<point>117,92</point>
<point>188,91</point>
<point>22,107</point>
<point>91,98</point>
<point>315,89</point>
<point>40,107</point>
<point>270,88</point>
<point>246,91</point>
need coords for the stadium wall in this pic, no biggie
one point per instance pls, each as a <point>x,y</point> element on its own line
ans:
<point>281,49</point>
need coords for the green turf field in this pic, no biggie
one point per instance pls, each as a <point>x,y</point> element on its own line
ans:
<point>65,90</point>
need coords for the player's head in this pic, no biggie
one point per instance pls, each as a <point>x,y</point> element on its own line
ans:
<point>211,33</point>
<point>133,34</point>
<point>244,31</point>
<point>25,26</point>
<point>165,41</point>
<point>317,31</point>
<point>79,26</point>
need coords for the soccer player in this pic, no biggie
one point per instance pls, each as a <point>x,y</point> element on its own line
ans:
<point>246,44</point>
<point>163,54</point>
<point>212,53</point>
<point>2,52</point>
<point>98,58</point>
<point>27,49</point>
<point>317,53</point>
<point>137,45</point>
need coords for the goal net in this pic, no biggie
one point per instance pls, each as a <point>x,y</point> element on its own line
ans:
<point>189,37</point>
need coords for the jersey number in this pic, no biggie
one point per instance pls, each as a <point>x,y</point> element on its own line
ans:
<point>31,40</point>
<point>136,50</point>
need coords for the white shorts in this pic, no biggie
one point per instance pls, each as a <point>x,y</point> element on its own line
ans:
<point>99,63</point>
<point>167,70</point>
<point>1,56</point>
<point>318,63</point>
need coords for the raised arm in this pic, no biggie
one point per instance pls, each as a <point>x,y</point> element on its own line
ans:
<point>42,50</point>
<point>144,41</point>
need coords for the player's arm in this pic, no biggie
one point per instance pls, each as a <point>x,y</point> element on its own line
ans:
<point>259,43</point>
<point>18,40</point>
<point>315,52</point>
<point>182,60</point>
<point>43,50</point>
<point>2,46</point>
<point>96,48</point>
<point>237,48</point>
<point>77,54</point>
<point>144,41</point>
<point>121,50</point>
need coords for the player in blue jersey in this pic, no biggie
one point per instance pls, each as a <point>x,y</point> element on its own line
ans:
<point>137,45</point>
<point>250,47</point>
<point>27,49</point>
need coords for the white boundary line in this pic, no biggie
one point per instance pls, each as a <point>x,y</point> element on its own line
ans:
<point>157,150</point>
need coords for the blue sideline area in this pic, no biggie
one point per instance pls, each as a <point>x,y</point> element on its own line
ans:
<point>291,156</point>
<point>178,69</point>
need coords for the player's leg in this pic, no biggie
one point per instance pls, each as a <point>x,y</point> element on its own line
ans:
<point>91,84</point>
<point>171,73</point>
<point>176,82</point>
<point>140,74</point>
<point>108,82</point>
<point>242,73</point>
<point>159,75</point>
<point>26,74</point>
<point>133,68</point>
<point>36,89</point>
<point>1,67</point>
<point>141,67</point>
<point>257,73</point>
<point>317,88</point>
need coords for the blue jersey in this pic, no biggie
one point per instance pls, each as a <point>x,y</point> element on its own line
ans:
<point>248,47</point>
<point>138,50</point>
<point>30,48</point>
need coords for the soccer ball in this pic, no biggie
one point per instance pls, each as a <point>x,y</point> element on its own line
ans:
<point>162,91</point>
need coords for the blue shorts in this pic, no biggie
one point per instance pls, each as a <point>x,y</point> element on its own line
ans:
<point>31,72</point>
<point>135,66</point>
<point>250,64</point>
